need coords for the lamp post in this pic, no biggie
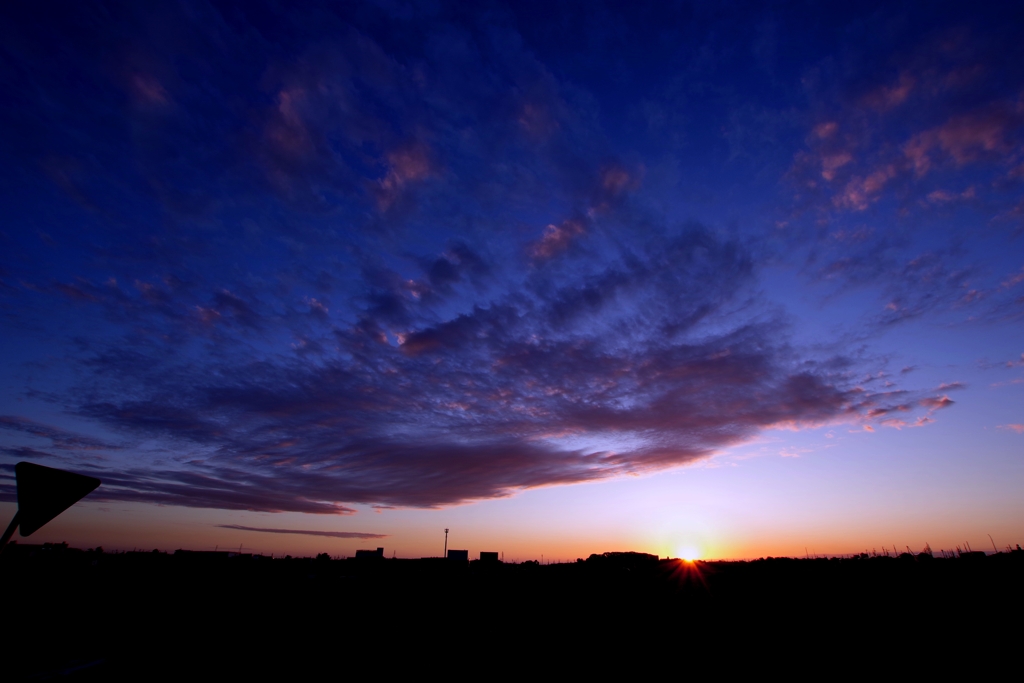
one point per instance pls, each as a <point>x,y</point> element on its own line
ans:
<point>445,543</point>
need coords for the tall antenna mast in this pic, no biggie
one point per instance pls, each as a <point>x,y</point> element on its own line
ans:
<point>445,543</point>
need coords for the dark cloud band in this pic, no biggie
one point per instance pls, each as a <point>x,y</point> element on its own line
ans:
<point>304,532</point>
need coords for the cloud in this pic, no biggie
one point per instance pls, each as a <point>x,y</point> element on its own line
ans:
<point>891,95</point>
<point>1019,428</point>
<point>229,306</point>
<point>582,374</point>
<point>613,183</point>
<point>879,412</point>
<point>890,150</point>
<point>406,165</point>
<point>200,485</point>
<point>25,452</point>
<point>945,197</point>
<point>861,191</point>
<point>936,402</point>
<point>965,139</point>
<point>306,532</point>
<point>825,130</point>
<point>896,423</point>
<point>148,90</point>
<point>1013,280</point>
<point>832,163</point>
<point>556,239</point>
<point>60,439</point>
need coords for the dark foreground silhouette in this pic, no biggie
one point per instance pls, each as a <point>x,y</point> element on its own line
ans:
<point>86,615</point>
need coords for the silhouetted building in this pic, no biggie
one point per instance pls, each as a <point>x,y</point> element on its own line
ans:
<point>488,557</point>
<point>460,555</point>
<point>370,554</point>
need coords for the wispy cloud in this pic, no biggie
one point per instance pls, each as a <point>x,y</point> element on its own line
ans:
<point>60,439</point>
<point>556,239</point>
<point>304,532</point>
<point>542,387</point>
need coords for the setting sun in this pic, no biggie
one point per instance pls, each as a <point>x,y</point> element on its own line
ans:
<point>689,553</point>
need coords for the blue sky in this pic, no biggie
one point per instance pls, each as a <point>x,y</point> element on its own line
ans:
<point>370,268</point>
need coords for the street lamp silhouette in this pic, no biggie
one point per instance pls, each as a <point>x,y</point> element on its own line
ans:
<point>445,543</point>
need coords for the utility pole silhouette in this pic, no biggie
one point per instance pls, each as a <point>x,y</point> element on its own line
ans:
<point>445,543</point>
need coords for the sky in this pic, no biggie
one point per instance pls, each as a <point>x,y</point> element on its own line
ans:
<point>718,280</point>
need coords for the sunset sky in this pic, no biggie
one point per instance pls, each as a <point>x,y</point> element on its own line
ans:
<point>715,280</point>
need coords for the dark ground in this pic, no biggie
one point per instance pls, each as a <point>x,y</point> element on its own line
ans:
<point>93,616</point>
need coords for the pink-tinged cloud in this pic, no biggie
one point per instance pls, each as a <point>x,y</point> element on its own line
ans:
<point>226,307</point>
<point>825,130</point>
<point>1013,280</point>
<point>833,162</point>
<point>860,192</point>
<point>81,291</point>
<point>965,139</point>
<point>933,403</point>
<point>148,90</point>
<point>406,165</point>
<point>286,130</point>
<point>317,308</point>
<point>945,197</point>
<point>964,76</point>
<point>612,184</point>
<point>615,180</point>
<point>879,412</point>
<point>556,239</point>
<point>897,423</point>
<point>537,120</point>
<point>1019,428</point>
<point>970,296</point>
<point>889,96</point>
<point>207,316</point>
